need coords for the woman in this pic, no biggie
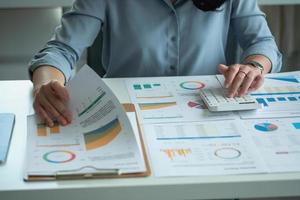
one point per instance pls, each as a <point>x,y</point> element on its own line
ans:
<point>155,38</point>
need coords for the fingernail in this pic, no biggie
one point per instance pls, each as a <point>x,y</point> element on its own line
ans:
<point>69,119</point>
<point>64,122</point>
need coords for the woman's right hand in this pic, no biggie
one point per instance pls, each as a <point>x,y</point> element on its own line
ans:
<point>50,103</point>
<point>50,96</point>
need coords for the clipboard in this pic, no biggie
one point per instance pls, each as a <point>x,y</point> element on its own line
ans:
<point>110,173</point>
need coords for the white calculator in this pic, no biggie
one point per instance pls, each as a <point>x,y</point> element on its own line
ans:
<point>216,100</point>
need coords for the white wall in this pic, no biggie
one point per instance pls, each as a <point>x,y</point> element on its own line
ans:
<point>23,32</point>
<point>284,24</point>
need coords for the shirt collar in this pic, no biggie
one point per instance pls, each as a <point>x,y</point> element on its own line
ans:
<point>168,2</point>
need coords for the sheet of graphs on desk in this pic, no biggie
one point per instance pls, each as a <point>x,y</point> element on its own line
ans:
<point>185,139</point>
<point>169,99</point>
<point>280,96</point>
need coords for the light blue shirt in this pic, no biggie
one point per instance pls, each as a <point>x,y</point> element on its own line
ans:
<point>156,38</point>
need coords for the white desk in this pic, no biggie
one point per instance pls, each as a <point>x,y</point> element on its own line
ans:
<point>16,97</point>
<point>67,3</point>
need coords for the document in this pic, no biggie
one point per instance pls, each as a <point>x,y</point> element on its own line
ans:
<point>280,97</point>
<point>173,99</point>
<point>100,140</point>
<point>202,148</point>
<point>185,139</point>
<point>224,147</point>
<point>278,142</point>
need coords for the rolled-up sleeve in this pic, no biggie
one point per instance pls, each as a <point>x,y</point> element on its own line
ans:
<point>253,33</point>
<point>78,30</point>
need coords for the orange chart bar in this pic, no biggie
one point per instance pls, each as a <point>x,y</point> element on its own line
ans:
<point>155,106</point>
<point>171,153</point>
<point>55,129</point>
<point>41,130</point>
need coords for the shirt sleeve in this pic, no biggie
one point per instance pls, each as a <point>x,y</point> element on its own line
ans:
<point>78,30</point>
<point>252,31</point>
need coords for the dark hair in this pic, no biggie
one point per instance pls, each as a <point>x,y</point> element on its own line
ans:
<point>208,5</point>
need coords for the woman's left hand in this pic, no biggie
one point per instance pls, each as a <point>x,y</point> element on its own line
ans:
<point>241,79</point>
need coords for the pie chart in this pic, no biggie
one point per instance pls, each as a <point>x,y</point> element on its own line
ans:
<point>59,156</point>
<point>266,127</point>
<point>192,85</point>
<point>228,153</point>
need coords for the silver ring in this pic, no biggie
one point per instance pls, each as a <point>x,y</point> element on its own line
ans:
<point>243,72</point>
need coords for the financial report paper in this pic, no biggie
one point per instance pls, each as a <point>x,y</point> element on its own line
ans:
<point>185,139</point>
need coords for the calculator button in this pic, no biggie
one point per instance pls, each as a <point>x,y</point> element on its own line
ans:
<point>216,100</point>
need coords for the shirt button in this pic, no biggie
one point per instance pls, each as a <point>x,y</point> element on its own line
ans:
<point>172,67</point>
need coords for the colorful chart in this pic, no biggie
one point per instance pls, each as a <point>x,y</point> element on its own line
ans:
<point>278,91</point>
<point>146,86</point>
<point>228,153</point>
<point>55,129</point>
<point>156,106</point>
<point>172,153</point>
<point>281,99</point>
<point>266,127</point>
<point>154,97</point>
<point>92,103</point>
<point>102,136</point>
<point>296,125</point>
<point>58,157</point>
<point>192,85</point>
<point>42,129</point>
<point>193,104</point>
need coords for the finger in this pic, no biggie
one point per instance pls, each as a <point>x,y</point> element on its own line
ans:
<point>61,107</point>
<point>223,69</point>
<point>48,107</point>
<point>59,111</point>
<point>248,80</point>
<point>36,107</point>
<point>44,116</point>
<point>259,80</point>
<point>232,72</point>
<point>59,90</point>
<point>236,84</point>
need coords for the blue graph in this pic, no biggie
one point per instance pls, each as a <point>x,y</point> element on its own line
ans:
<point>296,125</point>
<point>269,100</point>
<point>290,79</point>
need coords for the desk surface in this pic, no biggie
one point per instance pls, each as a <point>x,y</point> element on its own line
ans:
<point>67,3</point>
<point>16,97</point>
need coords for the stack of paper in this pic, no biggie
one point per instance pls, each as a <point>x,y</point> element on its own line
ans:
<point>100,141</point>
